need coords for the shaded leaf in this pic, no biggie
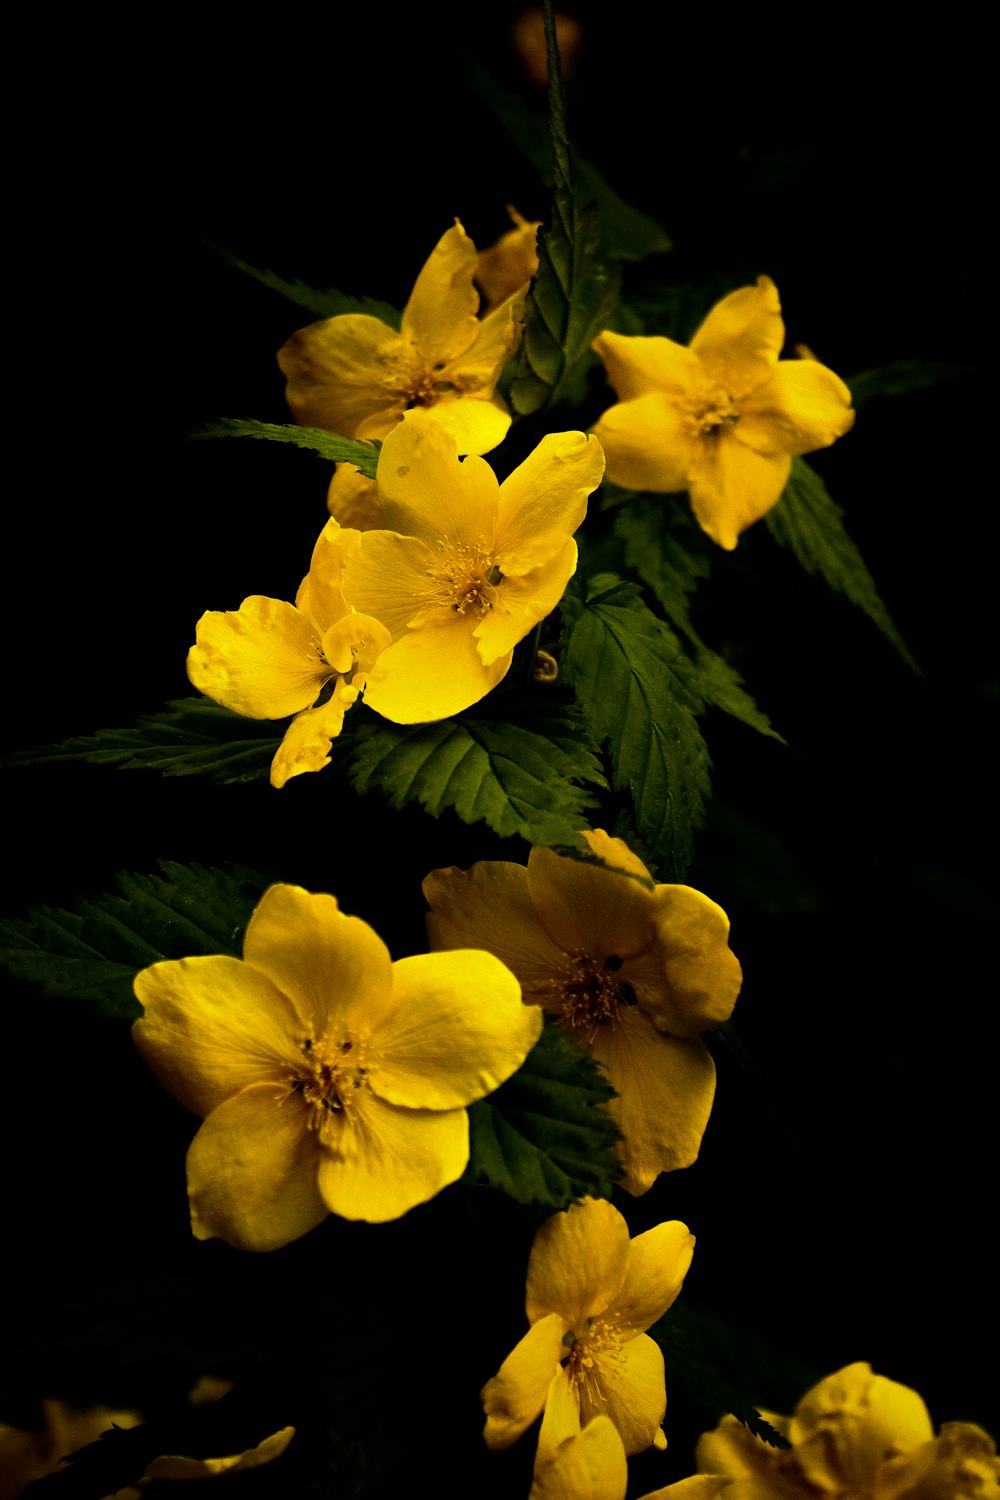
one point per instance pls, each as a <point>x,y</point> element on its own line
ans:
<point>901,377</point>
<point>575,289</point>
<point>808,521</point>
<point>521,778</point>
<point>640,693</point>
<point>362,454</point>
<point>192,736</point>
<point>95,952</point>
<point>542,1137</point>
<point>326,304</point>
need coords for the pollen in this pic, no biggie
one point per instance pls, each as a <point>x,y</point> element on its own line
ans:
<point>465,578</point>
<point>332,1073</point>
<point>596,1344</point>
<point>709,411</point>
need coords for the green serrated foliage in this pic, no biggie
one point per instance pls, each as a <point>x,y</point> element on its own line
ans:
<point>639,691</point>
<point>665,548</point>
<point>325,304</point>
<point>696,1362</point>
<point>901,377</point>
<point>576,289</point>
<point>363,455</point>
<point>94,953</point>
<point>542,1138</point>
<point>810,524</point>
<point>521,775</point>
<point>190,737</point>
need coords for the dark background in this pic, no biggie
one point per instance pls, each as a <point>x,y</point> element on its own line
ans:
<point>842,1200</point>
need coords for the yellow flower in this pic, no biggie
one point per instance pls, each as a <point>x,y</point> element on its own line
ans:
<point>507,267</point>
<point>591,1294</point>
<point>330,1079</point>
<point>633,973</point>
<point>721,418</point>
<point>177,1466</point>
<point>467,567</point>
<point>269,659</point>
<point>356,376</point>
<point>856,1434</point>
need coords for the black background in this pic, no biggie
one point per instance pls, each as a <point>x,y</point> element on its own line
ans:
<point>842,1201</point>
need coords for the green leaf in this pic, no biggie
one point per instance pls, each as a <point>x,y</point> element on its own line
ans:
<point>665,548</point>
<point>698,1362</point>
<point>640,693</point>
<point>521,778</point>
<point>328,304</point>
<point>95,952</point>
<point>901,377</point>
<point>810,524</point>
<point>192,736</point>
<point>542,1138</point>
<point>363,455</point>
<point>576,289</point>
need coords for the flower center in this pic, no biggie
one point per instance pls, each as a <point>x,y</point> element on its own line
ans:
<point>709,412</point>
<point>597,1342</point>
<point>466,577</point>
<point>329,1078</point>
<point>425,388</point>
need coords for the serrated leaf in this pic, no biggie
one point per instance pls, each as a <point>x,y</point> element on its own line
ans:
<point>576,289</point>
<point>901,377</point>
<point>363,455</point>
<point>662,547</point>
<point>522,778</point>
<point>542,1137</point>
<point>639,691</point>
<point>192,736</point>
<point>95,952</point>
<point>696,1363</point>
<point>325,304</point>
<point>809,522</point>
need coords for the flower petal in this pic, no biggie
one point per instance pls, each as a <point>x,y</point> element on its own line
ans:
<point>212,1026</point>
<point>352,499</point>
<point>637,366</point>
<point>658,1262</point>
<point>309,740</point>
<point>427,492</point>
<point>696,1487</point>
<point>440,316</point>
<point>578,1263</point>
<point>458,1028</point>
<point>390,578</point>
<point>508,265</point>
<point>175,1466</point>
<point>389,1159</point>
<point>477,369</point>
<point>585,908</point>
<point>339,376</point>
<point>561,1416</point>
<point>587,1466</point>
<point>804,406</point>
<point>522,602</point>
<point>701,972</point>
<point>628,1386</point>
<point>741,338</point>
<point>665,1088</point>
<point>732,486</point>
<point>763,1472</point>
<point>431,673</point>
<point>262,660</point>
<point>476,423</point>
<point>544,500</point>
<point>845,1426</point>
<point>490,907</point>
<point>321,594</point>
<point>251,1171</point>
<point>336,968</point>
<point>648,444</point>
<point>516,1394</point>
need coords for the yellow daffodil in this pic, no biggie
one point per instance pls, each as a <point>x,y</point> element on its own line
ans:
<point>722,417</point>
<point>854,1434</point>
<point>330,1079</point>
<point>356,376</point>
<point>269,659</point>
<point>633,971</point>
<point>591,1294</point>
<point>467,566</point>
